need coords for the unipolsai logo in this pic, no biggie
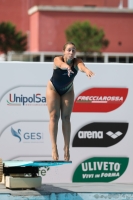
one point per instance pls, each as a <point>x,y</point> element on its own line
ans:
<point>25,96</point>
<point>27,137</point>
<point>100,134</point>
<point>100,169</point>
<point>24,100</point>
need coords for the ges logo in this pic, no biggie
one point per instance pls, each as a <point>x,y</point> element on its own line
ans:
<point>27,136</point>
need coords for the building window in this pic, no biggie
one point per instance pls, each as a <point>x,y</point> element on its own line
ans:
<point>26,58</point>
<point>48,58</point>
<point>81,57</point>
<point>90,59</point>
<point>119,43</point>
<point>122,59</point>
<point>17,57</point>
<point>36,58</point>
<point>130,59</point>
<point>100,59</point>
<point>112,59</point>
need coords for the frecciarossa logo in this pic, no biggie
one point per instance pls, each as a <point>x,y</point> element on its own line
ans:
<point>100,99</point>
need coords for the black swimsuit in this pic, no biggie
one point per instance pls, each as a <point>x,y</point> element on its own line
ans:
<point>61,81</point>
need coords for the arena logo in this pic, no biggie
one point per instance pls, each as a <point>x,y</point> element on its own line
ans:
<point>21,100</point>
<point>100,99</point>
<point>100,169</point>
<point>26,137</point>
<point>100,134</point>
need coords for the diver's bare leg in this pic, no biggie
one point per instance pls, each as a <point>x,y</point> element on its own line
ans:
<point>53,104</point>
<point>66,109</point>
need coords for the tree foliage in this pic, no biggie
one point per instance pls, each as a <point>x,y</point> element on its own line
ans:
<point>11,39</point>
<point>86,37</point>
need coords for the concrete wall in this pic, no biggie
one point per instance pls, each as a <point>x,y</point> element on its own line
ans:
<point>17,11</point>
<point>52,25</point>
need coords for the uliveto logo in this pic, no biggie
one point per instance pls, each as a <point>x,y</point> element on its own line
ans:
<point>100,169</point>
<point>100,99</point>
<point>100,134</point>
<point>23,100</point>
<point>27,137</point>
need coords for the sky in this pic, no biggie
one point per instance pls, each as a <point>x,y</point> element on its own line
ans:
<point>130,3</point>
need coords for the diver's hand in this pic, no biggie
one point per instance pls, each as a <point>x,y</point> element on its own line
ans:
<point>89,73</point>
<point>69,71</point>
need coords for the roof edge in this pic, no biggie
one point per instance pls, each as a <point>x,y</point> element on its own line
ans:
<point>34,9</point>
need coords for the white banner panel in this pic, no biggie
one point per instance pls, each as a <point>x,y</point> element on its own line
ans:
<point>101,132</point>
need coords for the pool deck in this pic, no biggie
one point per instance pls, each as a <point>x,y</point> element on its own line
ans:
<point>72,191</point>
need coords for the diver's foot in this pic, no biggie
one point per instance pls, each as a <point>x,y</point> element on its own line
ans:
<point>66,153</point>
<point>55,155</point>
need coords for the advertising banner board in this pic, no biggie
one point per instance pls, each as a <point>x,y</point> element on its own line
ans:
<point>101,122</point>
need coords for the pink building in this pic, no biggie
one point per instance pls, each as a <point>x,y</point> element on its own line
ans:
<point>45,23</point>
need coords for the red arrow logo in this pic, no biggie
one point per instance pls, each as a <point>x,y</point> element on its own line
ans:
<point>100,99</point>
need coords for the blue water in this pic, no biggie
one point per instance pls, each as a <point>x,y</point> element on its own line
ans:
<point>72,196</point>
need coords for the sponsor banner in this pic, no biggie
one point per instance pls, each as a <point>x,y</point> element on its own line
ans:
<point>100,134</point>
<point>25,139</point>
<point>100,99</point>
<point>25,96</point>
<point>101,118</point>
<point>100,169</point>
<point>43,171</point>
<point>28,136</point>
